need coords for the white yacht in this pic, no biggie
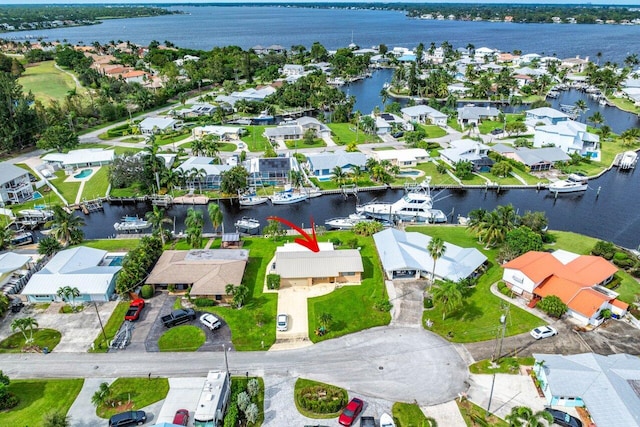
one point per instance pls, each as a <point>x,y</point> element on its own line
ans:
<point>629,160</point>
<point>346,223</point>
<point>248,225</point>
<point>416,205</point>
<point>573,183</point>
<point>131,223</point>
<point>252,199</point>
<point>289,197</point>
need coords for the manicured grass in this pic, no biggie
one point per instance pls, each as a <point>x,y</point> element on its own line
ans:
<point>573,242</point>
<point>352,307</point>
<point>39,397</point>
<point>41,337</point>
<point>453,123</point>
<point>240,383</point>
<point>255,139</point>
<point>110,328</point>
<point>507,365</point>
<point>302,383</point>
<point>172,137</point>
<point>132,191</point>
<point>46,82</point>
<point>294,144</point>
<point>629,287</point>
<point>476,416</point>
<point>182,338</point>
<point>133,139</point>
<point>97,185</point>
<point>333,185</point>
<point>384,149</point>
<point>112,245</point>
<point>69,190</point>
<point>140,391</point>
<point>509,180</point>
<point>254,324</point>
<point>345,133</point>
<point>433,131</point>
<point>410,415</point>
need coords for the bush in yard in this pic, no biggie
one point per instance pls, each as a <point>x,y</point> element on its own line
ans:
<point>428,302</point>
<point>204,302</point>
<point>7,400</point>
<point>604,249</point>
<point>273,281</point>
<point>383,305</point>
<point>553,306</point>
<point>352,243</point>
<point>253,387</point>
<point>243,401</point>
<point>147,291</point>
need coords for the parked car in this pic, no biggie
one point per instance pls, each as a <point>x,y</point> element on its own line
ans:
<point>16,305</point>
<point>351,412</point>
<point>283,322</point>
<point>367,421</point>
<point>129,418</point>
<point>543,332</point>
<point>210,321</point>
<point>563,419</point>
<point>497,131</point>
<point>135,308</point>
<point>181,418</point>
<point>176,317</point>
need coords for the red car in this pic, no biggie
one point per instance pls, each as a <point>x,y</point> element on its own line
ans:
<point>351,412</point>
<point>135,308</point>
<point>181,418</point>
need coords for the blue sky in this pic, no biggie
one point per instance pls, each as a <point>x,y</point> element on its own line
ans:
<point>556,2</point>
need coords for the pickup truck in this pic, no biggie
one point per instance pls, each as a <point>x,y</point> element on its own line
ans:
<point>135,308</point>
<point>177,317</point>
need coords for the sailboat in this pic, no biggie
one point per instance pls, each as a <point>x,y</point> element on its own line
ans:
<point>251,199</point>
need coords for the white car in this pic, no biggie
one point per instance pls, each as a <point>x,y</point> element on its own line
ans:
<point>210,321</point>
<point>283,322</point>
<point>543,332</point>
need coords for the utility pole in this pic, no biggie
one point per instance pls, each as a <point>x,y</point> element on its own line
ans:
<point>101,326</point>
<point>503,322</point>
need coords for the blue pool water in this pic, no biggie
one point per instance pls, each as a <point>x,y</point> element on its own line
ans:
<point>409,173</point>
<point>114,261</point>
<point>37,195</point>
<point>324,179</point>
<point>84,173</point>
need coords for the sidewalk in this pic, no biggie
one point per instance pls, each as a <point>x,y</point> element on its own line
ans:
<point>520,303</point>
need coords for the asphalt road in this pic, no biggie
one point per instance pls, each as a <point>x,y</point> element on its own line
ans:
<point>395,363</point>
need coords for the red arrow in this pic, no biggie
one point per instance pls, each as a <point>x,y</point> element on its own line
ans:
<point>309,242</point>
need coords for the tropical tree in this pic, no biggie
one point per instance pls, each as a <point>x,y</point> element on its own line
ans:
<point>48,246</point>
<point>449,294</point>
<point>5,237</point>
<point>553,306</point>
<point>521,416</point>
<point>273,229</point>
<point>501,169</point>
<point>339,175</point>
<point>157,217</point>
<point>436,249</point>
<point>102,396</point>
<point>596,118</point>
<point>325,320</point>
<point>66,227</point>
<point>234,180</point>
<point>216,217</point>
<point>67,293</point>
<point>23,325</point>
<point>239,293</point>
<point>194,223</point>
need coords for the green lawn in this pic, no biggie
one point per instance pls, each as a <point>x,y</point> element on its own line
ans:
<point>97,184</point>
<point>384,149</point>
<point>506,365</point>
<point>352,307</point>
<point>476,416</point>
<point>110,328</point>
<point>254,324</point>
<point>433,131</point>
<point>39,397</point>
<point>133,139</point>
<point>182,338</point>
<point>410,415</point>
<point>226,147</point>
<point>112,245</point>
<point>69,190</point>
<point>140,391</point>
<point>295,144</point>
<point>41,337</point>
<point>46,82</point>
<point>509,180</point>
<point>345,133</point>
<point>302,383</point>
<point>255,139</point>
<point>134,190</point>
<point>170,138</point>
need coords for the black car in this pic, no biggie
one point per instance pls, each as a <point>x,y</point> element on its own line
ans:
<point>367,422</point>
<point>129,418</point>
<point>497,131</point>
<point>16,305</point>
<point>563,419</point>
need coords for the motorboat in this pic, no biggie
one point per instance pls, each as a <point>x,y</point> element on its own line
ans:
<point>341,223</point>
<point>573,183</point>
<point>36,214</point>
<point>252,199</point>
<point>263,117</point>
<point>289,197</point>
<point>386,420</point>
<point>416,205</point>
<point>131,223</point>
<point>248,225</point>
<point>628,160</point>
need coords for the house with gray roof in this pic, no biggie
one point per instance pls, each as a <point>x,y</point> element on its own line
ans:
<point>295,129</point>
<point>470,115</point>
<point>537,159</point>
<point>570,136</point>
<point>203,172</point>
<point>153,125</point>
<point>405,255</point>
<point>80,158</point>
<point>270,171</point>
<point>15,185</point>
<point>424,114</point>
<point>92,271</point>
<point>321,165</point>
<point>468,150</point>
<point>298,266</point>
<point>545,116</point>
<point>607,386</point>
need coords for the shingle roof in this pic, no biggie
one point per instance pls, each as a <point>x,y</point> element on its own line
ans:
<point>330,263</point>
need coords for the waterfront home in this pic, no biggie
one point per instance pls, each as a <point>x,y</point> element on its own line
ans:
<point>570,136</point>
<point>467,150</point>
<point>470,115</point>
<point>264,50</point>
<point>271,171</point>
<point>536,159</point>
<point>424,114</point>
<point>544,116</point>
<point>321,165</point>
<point>206,271</point>
<point>578,280</point>
<point>631,88</point>
<point>154,125</point>
<point>86,157</point>
<point>15,185</point>
<point>404,158</point>
<point>405,256</point>
<point>196,110</point>
<point>298,266</point>
<point>135,76</point>
<point>575,65</point>
<point>203,172</point>
<point>295,129</point>
<point>92,271</point>
<point>181,61</point>
<point>482,54</point>
<point>606,386</point>
<point>224,133</point>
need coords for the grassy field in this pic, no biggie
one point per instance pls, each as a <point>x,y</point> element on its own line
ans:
<point>112,245</point>
<point>345,133</point>
<point>506,365</point>
<point>110,328</point>
<point>140,392</point>
<point>295,144</point>
<point>433,131</point>
<point>69,190</point>
<point>41,337</point>
<point>476,416</point>
<point>46,82</point>
<point>409,415</point>
<point>182,338</point>
<point>255,139</point>
<point>97,185</point>
<point>39,397</point>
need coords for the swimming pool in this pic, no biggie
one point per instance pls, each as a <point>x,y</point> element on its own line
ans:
<point>409,173</point>
<point>113,261</point>
<point>84,173</point>
<point>36,195</point>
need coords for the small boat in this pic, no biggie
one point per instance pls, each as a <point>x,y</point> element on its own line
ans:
<point>22,238</point>
<point>289,197</point>
<point>248,225</point>
<point>36,214</point>
<point>263,117</point>
<point>346,223</point>
<point>629,160</point>
<point>386,420</point>
<point>252,199</point>
<point>573,183</point>
<point>131,223</point>
<point>553,94</point>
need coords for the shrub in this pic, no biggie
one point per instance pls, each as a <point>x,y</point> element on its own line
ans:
<point>604,249</point>
<point>383,305</point>
<point>553,306</point>
<point>428,302</point>
<point>322,399</point>
<point>204,302</point>
<point>171,287</point>
<point>273,281</point>
<point>147,291</point>
<point>620,256</point>
<point>504,289</point>
<point>336,241</point>
<point>352,243</point>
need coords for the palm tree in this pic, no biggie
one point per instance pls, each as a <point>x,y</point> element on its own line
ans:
<point>48,246</point>
<point>239,294</point>
<point>521,416</point>
<point>67,292</point>
<point>23,325</point>
<point>596,118</point>
<point>102,396</point>
<point>194,223</point>
<point>216,217</point>
<point>157,218</point>
<point>338,175</point>
<point>65,226</point>
<point>449,294</point>
<point>325,320</point>
<point>436,249</point>
<point>5,237</point>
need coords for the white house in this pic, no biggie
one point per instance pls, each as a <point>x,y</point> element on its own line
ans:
<point>92,271</point>
<point>292,70</point>
<point>544,116</point>
<point>470,115</point>
<point>295,129</point>
<point>484,53</point>
<point>404,158</point>
<point>15,185</point>
<point>153,125</point>
<point>321,165</point>
<point>467,150</point>
<point>424,114</point>
<point>570,136</point>
<point>80,158</point>
<point>225,133</point>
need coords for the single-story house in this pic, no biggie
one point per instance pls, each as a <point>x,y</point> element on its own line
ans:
<point>473,116</point>
<point>196,110</point>
<point>270,171</point>
<point>570,136</point>
<point>203,172</point>
<point>292,70</point>
<point>250,94</point>
<point>607,386</point>
<point>88,269</point>
<point>298,266</point>
<point>295,129</point>
<point>545,116</point>
<point>405,255</point>
<point>321,165</point>
<point>578,280</point>
<point>153,125</point>
<point>470,151</point>
<point>424,114</point>
<point>86,157</point>
<point>225,133</point>
<point>536,159</point>
<point>15,270</point>
<point>206,271</point>
<point>15,185</point>
<point>577,64</point>
<point>404,158</point>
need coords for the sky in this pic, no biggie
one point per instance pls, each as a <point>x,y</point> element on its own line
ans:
<point>553,2</point>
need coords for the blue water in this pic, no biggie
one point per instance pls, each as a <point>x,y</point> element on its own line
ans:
<point>203,27</point>
<point>84,173</point>
<point>409,173</point>
<point>114,261</point>
<point>36,195</point>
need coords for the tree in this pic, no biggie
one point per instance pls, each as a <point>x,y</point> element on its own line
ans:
<point>521,416</point>
<point>515,127</point>
<point>67,292</point>
<point>234,180</point>
<point>252,413</point>
<point>309,137</point>
<point>273,229</point>
<point>522,240</point>
<point>157,218</point>
<point>56,419</point>
<point>553,306</point>
<point>239,293</point>
<point>338,175</point>
<point>66,227</point>
<point>463,169</point>
<point>194,223</point>
<point>436,249</point>
<point>102,396</point>
<point>7,399</point>
<point>325,320</point>
<point>20,123</point>
<point>23,325</point>
<point>59,137</point>
<point>49,246</point>
<point>501,169</point>
<point>449,294</point>
<point>216,217</point>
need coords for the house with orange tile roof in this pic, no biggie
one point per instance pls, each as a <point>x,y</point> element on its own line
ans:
<point>578,280</point>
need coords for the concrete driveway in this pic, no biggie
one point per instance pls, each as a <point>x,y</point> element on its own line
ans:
<point>184,393</point>
<point>407,299</point>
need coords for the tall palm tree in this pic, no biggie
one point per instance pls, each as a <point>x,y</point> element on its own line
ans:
<point>157,218</point>
<point>521,416</point>
<point>492,230</point>
<point>216,217</point>
<point>596,118</point>
<point>449,294</point>
<point>436,249</point>
<point>23,325</point>
<point>65,226</point>
<point>194,223</point>
<point>67,293</point>
<point>338,175</point>
<point>102,396</point>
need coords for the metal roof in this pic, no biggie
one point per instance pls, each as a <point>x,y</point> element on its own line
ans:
<point>329,161</point>
<point>87,155</point>
<point>329,263</point>
<point>11,261</point>
<point>9,172</point>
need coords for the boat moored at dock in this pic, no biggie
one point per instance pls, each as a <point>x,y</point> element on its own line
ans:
<point>572,184</point>
<point>248,225</point>
<point>131,223</point>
